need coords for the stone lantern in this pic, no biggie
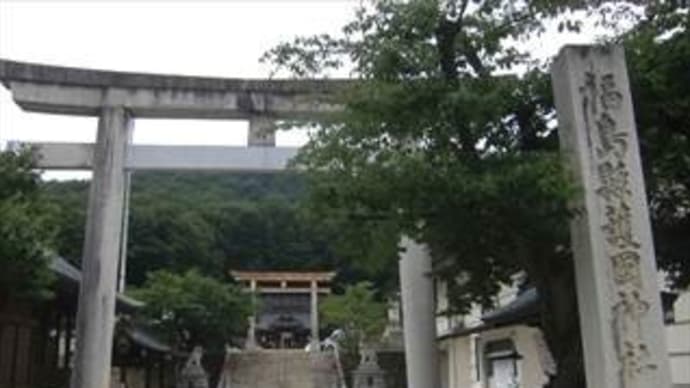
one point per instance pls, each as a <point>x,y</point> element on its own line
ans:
<point>193,374</point>
<point>368,373</point>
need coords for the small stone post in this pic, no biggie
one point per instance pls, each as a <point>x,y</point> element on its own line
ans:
<point>96,313</point>
<point>250,343</point>
<point>419,325</point>
<point>315,341</point>
<point>620,309</point>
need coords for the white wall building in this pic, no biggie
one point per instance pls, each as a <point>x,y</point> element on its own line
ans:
<point>504,348</point>
<point>497,349</point>
<point>678,340</point>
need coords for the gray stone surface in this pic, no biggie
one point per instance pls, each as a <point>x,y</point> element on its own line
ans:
<point>53,89</point>
<point>620,311</point>
<point>419,320</point>
<point>96,313</point>
<point>71,76</point>
<point>280,368</point>
<point>79,156</point>
<point>314,317</point>
<point>262,133</point>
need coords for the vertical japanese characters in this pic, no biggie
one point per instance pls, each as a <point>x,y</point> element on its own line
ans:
<point>609,146</point>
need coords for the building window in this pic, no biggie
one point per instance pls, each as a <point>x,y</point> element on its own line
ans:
<point>501,364</point>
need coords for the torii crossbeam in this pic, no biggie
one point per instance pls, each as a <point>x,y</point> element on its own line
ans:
<point>80,156</point>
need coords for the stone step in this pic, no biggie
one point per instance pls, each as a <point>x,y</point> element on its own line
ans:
<point>279,368</point>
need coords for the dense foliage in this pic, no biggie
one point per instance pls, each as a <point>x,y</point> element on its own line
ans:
<point>356,311</point>
<point>191,309</point>
<point>214,223</point>
<point>25,232</point>
<point>658,55</point>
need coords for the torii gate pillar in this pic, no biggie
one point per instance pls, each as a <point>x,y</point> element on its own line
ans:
<point>419,320</point>
<point>103,235</point>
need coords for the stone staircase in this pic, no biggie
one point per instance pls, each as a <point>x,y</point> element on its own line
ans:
<point>280,368</point>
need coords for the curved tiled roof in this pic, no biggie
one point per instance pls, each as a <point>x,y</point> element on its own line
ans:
<point>67,271</point>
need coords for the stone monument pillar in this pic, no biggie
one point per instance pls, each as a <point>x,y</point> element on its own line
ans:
<point>419,326</point>
<point>619,302</point>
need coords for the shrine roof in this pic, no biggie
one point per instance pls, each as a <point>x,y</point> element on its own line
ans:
<point>72,275</point>
<point>322,276</point>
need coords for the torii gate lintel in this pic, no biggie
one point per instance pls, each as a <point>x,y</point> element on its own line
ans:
<point>65,90</point>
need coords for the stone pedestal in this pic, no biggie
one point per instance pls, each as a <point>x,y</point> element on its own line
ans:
<point>193,374</point>
<point>419,326</point>
<point>619,302</point>
<point>368,373</point>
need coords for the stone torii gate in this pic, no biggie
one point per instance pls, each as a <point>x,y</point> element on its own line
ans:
<point>620,309</point>
<point>117,98</point>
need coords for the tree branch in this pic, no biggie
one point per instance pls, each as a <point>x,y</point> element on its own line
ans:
<point>446,34</point>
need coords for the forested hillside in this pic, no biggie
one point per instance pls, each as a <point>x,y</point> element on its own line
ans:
<point>213,222</point>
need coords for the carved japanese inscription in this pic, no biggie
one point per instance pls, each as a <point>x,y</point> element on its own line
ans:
<point>608,147</point>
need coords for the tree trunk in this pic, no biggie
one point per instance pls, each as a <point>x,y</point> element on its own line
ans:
<point>561,325</point>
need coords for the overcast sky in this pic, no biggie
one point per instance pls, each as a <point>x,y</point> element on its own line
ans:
<point>214,38</point>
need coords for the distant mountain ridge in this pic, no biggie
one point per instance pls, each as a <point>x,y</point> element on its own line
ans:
<point>212,221</point>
